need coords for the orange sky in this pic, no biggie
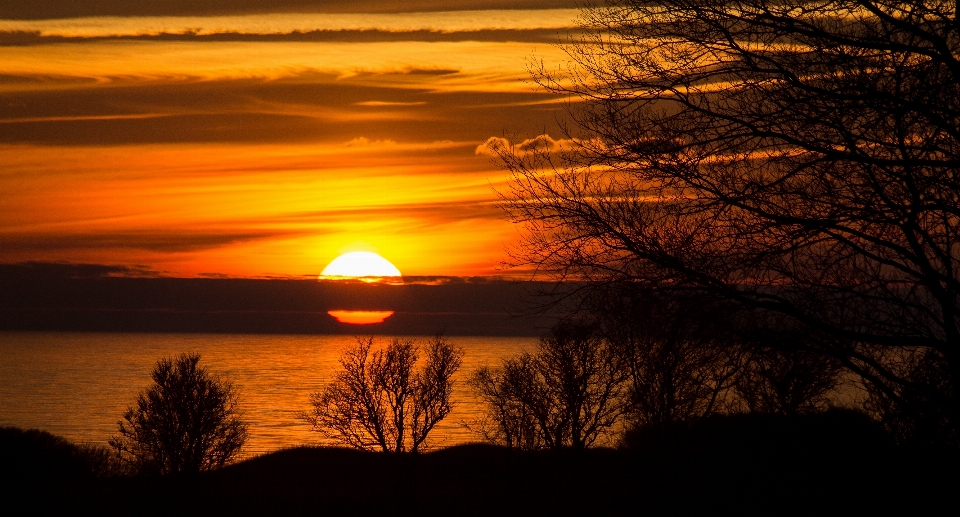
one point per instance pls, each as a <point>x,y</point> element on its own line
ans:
<point>247,142</point>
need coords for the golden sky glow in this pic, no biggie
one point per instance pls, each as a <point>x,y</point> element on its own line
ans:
<point>267,144</point>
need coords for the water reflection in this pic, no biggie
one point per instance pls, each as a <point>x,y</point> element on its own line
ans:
<point>360,317</point>
<point>78,384</point>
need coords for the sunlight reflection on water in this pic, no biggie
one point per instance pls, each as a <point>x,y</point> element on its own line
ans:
<point>78,385</point>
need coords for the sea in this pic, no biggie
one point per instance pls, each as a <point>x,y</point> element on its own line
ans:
<point>78,385</point>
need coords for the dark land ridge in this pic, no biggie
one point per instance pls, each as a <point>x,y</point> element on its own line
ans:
<point>97,298</point>
<point>834,462</point>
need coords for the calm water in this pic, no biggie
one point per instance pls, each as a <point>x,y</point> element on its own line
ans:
<point>78,385</point>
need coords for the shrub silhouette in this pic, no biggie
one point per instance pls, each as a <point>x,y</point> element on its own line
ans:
<point>919,412</point>
<point>677,346</point>
<point>786,380</point>
<point>379,401</point>
<point>29,455</point>
<point>571,393</point>
<point>749,439</point>
<point>186,422</point>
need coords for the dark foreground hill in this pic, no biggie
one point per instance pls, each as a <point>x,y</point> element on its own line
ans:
<point>747,465</point>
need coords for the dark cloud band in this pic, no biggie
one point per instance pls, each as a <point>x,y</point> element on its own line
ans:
<point>159,241</point>
<point>19,38</point>
<point>311,108</point>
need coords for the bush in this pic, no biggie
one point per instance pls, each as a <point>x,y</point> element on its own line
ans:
<point>186,422</point>
<point>919,411</point>
<point>785,380</point>
<point>571,393</point>
<point>31,455</point>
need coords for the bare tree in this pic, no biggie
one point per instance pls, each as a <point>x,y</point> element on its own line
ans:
<point>508,420</point>
<point>797,157</point>
<point>379,400</point>
<point>188,421</point>
<point>571,393</point>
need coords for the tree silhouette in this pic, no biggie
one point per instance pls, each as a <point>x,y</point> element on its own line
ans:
<point>679,349</point>
<point>186,422</point>
<point>380,401</point>
<point>787,381</point>
<point>571,393</point>
<point>799,158</point>
<point>921,412</point>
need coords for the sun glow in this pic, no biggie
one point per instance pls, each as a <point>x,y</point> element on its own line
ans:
<point>360,265</point>
<point>324,127</point>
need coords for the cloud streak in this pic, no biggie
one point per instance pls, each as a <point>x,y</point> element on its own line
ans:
<point>53,9</point>
<point>481,66</point>
<point>158,240</point>
<point>279,24</point>
<point>545,144</point>
<point>306,108</point>
<point>547,36</point>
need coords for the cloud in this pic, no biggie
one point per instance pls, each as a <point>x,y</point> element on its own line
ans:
<point>547,36</point>
<point>432,213</point>
<point>493,146</point>
<point>278,24</point>
<point>541,143</point>
<point>546,144</point>
<point>50,271</point>
<point>366,142</point>
<point>52,9</point>
<point>165,241</point>
<point>317,108</point>
<point>378,104</point>
<point>481,66</point>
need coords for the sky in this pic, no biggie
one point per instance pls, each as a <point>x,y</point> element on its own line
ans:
<point>256,139</point>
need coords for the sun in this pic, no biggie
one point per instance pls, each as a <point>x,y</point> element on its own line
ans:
<point>360,265</point>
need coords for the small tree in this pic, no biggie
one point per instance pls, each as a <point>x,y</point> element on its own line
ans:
<point>788,380</point>
<point>569,394</point>
<point>679,347</point>
<point>186,422</point>
<point>919,411</point>
<point>510,420</point>
<point>380,401</point>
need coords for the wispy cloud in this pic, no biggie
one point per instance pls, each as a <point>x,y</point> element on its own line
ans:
<point>379,104</point>
<point>48,9</point>
<point>308,108</point>
<point>431,212</point>
<point>545,36</point>
<point>496,145</point>
<point>441,22</point>
<point>55,271</point>
<point>158,239</point>
<point>481,66</point>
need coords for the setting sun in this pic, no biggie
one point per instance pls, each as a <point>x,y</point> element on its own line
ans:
<point>361,265</point>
